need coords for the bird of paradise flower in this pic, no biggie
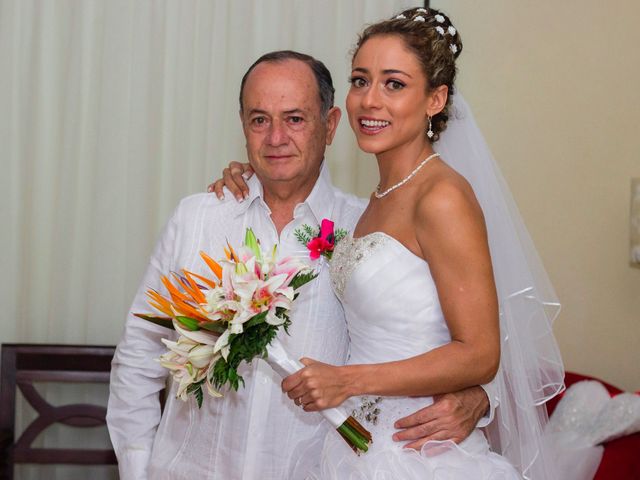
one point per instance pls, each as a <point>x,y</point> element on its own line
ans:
<point>229,318</point>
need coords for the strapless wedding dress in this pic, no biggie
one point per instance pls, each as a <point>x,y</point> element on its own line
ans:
<point>392,312</point>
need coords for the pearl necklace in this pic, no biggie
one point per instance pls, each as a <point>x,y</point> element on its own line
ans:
<point>405,179</point>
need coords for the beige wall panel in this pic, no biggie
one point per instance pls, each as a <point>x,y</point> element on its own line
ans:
<point>555,87</point>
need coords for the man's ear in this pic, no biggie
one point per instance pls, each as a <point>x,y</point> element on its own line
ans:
<point>333,119</point>
<point>244,130</point>
<point>437,100</point>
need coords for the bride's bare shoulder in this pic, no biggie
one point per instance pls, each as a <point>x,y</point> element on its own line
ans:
<point>446,195</point>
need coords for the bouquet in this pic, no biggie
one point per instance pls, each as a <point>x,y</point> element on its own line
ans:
<point>232,317</point>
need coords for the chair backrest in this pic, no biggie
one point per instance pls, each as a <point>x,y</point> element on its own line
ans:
<point>24,364</point>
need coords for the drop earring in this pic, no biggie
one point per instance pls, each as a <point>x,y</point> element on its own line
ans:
<point>430,131</point>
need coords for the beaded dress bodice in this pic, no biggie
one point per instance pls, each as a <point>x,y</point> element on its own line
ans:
<point>392,312</point>
<point>389,297</point>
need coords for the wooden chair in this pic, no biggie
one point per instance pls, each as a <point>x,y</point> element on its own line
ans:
<point>24,364</point>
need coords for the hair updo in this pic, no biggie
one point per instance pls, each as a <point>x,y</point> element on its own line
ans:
<point>430,35</point>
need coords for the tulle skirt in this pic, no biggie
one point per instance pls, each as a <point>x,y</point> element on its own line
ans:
<point>389,461</point>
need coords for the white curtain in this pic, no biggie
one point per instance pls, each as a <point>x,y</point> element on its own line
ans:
<point>112,110</point>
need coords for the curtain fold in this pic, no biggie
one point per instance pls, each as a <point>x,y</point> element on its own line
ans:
<point>113,110</point>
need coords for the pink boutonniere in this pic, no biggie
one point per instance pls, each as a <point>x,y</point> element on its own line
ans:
<point>324,242</point>
<point>320,241</point>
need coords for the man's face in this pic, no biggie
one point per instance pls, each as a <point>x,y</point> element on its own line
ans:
<point>282,122</point>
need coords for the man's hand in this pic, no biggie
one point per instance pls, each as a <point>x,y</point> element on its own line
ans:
<point>234,177</point>
<point>452,416</point>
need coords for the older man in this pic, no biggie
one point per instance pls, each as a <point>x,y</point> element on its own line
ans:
<point>288,119</point>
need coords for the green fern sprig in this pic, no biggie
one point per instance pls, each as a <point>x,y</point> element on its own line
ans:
<point>340,234</point>
<point>305,233</point>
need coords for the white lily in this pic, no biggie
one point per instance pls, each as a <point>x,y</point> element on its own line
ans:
<point>177,361</point>
<point>290,266</point>
<point>180,348</point>
<point>236,328</point>
<point>202,356</point>
<point>213,296</point>
<point>257,297</point>
<point>212,391</point>
<point>222,345</point>
<point>185,378</point>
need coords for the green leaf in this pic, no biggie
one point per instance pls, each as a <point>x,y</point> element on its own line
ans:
<point>189,323</point>
<point>310,231</point>
<point>255,320</point>
<point>245,347</point>
<point>215,327</point>
<point>301,278</point>
<point>340,234</point>
<point>305,233</point>
<point>286,325</point>
<point>302,237</point>
<point>166,322</point>
<point>196,390</point>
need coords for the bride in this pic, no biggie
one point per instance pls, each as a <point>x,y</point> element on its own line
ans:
<point>441,286</point>
<point>416,279</point>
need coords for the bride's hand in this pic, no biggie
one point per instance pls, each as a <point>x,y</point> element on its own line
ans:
<point>317,386</point>
<point>234,178</point>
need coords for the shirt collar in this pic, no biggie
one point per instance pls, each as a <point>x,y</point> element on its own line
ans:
<point>255,196</point>
<point>320,200</point>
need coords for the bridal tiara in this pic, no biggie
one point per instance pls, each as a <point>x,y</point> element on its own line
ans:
<point>439,19</point>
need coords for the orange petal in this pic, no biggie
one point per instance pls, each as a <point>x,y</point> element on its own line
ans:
<point>175,293</point>
<point>159,302</point>
<point>208,282</point>
<point>184,284</point>
<point>213,265</point>
<point>234,257</point>
<point>187,309</point>
<point>195,291</point>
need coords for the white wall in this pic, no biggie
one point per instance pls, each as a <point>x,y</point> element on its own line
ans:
<point>555,86</point>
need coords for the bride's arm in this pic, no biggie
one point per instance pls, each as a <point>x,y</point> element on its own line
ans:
<point>451,234</point>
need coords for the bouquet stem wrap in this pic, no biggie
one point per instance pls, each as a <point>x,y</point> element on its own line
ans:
<point>348,427</point>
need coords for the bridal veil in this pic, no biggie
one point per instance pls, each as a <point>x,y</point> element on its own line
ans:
<point>531,370</point>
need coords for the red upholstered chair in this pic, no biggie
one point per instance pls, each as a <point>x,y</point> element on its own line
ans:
<point>621,459</point>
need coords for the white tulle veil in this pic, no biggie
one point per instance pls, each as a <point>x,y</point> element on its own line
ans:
<point>531,370</point>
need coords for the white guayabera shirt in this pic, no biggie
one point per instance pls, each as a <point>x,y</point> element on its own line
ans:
<point>253,433</point>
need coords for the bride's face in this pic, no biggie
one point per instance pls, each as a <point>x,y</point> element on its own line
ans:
<point>387,103</point>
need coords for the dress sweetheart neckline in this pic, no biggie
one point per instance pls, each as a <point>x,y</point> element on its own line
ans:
<point>392,238</point>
